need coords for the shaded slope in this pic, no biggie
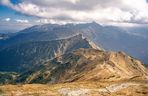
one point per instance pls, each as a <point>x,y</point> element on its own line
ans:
<point>8,77</point>
<point>26,55</point>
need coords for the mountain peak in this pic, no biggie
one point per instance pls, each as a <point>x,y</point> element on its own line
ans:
<point>93,22</point>
<point>81,37</point>
<point>78,36</point>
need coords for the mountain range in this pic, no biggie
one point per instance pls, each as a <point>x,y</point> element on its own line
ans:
<point>108,37</point>
<point>73,60</point>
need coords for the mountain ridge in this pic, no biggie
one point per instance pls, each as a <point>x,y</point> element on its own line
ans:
<point>108,37</point>
<point>34,53</point>
<point>86,65</point>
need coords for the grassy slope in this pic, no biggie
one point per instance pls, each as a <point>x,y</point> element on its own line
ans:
<point>140,89</point>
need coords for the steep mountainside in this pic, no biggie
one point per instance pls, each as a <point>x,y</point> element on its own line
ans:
<point>86,65</point>
<point>109,37</point>
<point>26,55</point>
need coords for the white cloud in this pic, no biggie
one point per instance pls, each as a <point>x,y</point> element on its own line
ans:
<point>21,21</point>
<point>104,11</point>
<point>7,19</point>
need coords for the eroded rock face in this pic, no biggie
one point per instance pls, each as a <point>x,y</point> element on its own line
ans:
<point>86,65</point>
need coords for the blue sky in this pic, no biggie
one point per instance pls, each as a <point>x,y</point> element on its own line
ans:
<point>19,14</point>
<point>8,12</point>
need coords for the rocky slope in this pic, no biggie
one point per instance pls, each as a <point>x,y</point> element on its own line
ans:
<point>86,65</point>
<point>26,55</point>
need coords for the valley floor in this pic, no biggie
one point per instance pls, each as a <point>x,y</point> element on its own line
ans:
<point>134,88</point>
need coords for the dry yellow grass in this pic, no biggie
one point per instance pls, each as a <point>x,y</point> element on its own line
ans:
<point>94,89</point>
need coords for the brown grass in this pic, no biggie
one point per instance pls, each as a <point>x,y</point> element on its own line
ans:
<point>52,90</point>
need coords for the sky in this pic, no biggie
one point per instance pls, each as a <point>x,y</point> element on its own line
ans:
<point>19,14</point>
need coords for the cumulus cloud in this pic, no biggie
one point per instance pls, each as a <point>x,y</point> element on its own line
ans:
<point>13,25</point>
<point>105,11</point>
<point>21,21</point>
<point>7,19</point>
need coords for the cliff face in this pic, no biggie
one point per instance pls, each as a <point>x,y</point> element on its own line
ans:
<point>86,65</point>
<point>24,56</point>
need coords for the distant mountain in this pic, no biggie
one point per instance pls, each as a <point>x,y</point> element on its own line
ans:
<point>140,31</point>
<point>24,56</point>
<point>109,37</point>
<point>3,36</point>
<point>86,65</point>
